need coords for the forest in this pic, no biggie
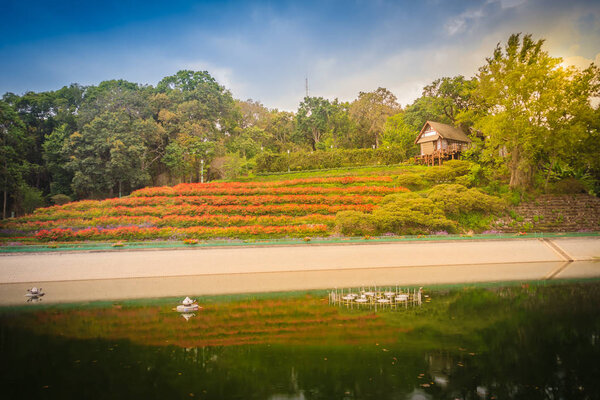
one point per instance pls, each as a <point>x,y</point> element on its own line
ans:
<point>532,120</point>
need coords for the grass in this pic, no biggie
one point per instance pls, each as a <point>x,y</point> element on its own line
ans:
<point>8,245</point>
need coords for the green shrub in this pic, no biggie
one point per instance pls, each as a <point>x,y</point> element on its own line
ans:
<point>60,199</point>
<point>354,223</point>
<point>409,213</point>
<point>475,221</point>
<point>28,199</point>
<point>234,165</point>
<point>412,181</point>
<point>464,180</point>
<point>455,199</point>
<point>448,172</point>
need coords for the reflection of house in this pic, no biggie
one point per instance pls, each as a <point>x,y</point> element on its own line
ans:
<point>441,142</point>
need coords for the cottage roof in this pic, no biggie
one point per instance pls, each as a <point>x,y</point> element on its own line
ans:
<point>445,131</point>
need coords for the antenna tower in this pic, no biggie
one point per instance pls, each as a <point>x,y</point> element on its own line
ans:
<point>306,85</point>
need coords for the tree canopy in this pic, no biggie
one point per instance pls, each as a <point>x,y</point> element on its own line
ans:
<point>528,114</point>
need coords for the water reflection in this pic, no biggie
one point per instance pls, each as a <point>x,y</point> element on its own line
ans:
<point>530,342</point>
<point>187,316</point>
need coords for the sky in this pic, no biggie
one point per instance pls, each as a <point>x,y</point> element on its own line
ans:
<point>264,50</point>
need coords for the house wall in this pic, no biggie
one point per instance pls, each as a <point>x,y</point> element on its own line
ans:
<point>427,148</point>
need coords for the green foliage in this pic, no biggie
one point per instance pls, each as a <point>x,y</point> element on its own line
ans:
<point>302,161</point>
<point>447,172</point>
<point>475,221</point>
<point>56,158</point>
<point>13,148</point>
<point>105,155</point>
<point>530,108</point>
<point>354,223</point>
<point>234,166</point>
<point>442,101</point>
<point>313,120</point>
<point>370,112</point>
<point>397,133</point>
<point>401,213</point>
<point>60,199</point>
<point>456,199</point>
<point>412,181</point>
<point>29,198</point>
<point>409,213</point>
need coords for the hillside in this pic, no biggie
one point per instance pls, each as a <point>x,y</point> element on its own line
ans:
<point>345,201</point>
<point>287,208</point>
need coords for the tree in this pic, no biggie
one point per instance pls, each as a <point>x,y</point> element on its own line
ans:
<point>13,146</point>
<point>56,158</point>
<point>313,120</point>
<point>201,99</point>
<point>280,127</point>
<point>107,153</point>
<point>252,114</point>
<point>444,100</point>
<point>450,96</point>
<point>42,113</point>
<point>529,106</point>
<point>396,132</point>
<point>370,112</point>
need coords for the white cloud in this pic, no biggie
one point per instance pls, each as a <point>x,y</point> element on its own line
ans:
<point>461,22</point>
<point>581,62</point>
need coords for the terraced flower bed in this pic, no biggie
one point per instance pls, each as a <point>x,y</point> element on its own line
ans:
<point>293,208</point>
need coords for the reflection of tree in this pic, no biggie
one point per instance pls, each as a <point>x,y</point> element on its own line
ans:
<point>501,342</point>
<point>541,346</point>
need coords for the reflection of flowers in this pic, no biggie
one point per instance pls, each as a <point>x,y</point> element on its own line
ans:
<point>296,320</point>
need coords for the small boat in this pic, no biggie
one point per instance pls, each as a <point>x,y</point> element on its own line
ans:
<point>187,305</point>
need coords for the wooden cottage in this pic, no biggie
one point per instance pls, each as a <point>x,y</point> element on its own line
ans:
<point>440,142</point>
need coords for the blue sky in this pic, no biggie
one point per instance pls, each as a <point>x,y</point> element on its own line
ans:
<point>264,50</point>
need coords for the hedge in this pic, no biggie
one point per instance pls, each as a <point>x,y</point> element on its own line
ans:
<point>336,158</point>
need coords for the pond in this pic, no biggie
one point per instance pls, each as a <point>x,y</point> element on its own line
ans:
<point>522,341</point>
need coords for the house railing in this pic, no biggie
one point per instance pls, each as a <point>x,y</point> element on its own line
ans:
<point>451,152</point>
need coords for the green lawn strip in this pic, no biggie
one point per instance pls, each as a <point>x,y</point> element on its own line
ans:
<point>157,244</point>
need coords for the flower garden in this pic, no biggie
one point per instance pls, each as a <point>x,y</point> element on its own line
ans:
<point>219,210</point>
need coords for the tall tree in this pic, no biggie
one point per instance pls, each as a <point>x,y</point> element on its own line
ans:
<point>396,132</point>
<point>107,156</point>
<point>529,105</point>
<point>444,100</point>
<point>281,126</point>
<point>13,146</point>
<point>313,120</point>
<point>370,112</point>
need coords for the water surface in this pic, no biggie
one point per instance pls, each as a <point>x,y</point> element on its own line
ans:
<point>537,341</point>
